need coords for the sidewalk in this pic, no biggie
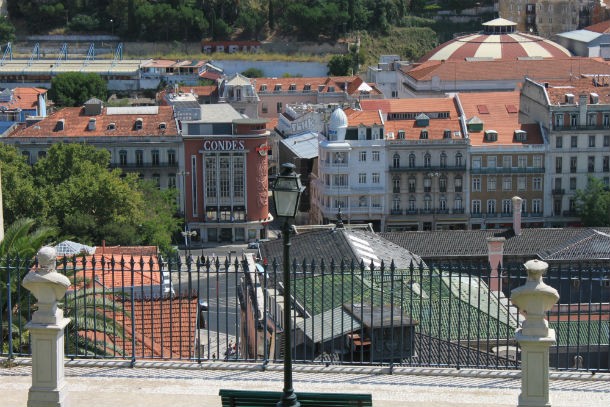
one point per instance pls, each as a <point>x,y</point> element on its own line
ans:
<point>158,384</point>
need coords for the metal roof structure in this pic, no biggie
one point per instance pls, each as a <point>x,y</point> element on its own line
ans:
<point>303,145</point>
<point>70,248</point>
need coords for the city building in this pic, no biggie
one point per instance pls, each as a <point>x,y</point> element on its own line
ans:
<point>19,104</point>
<point>225,175</point>
<point>575,118</point>
<point>141,139</point>
<point>506,159</point>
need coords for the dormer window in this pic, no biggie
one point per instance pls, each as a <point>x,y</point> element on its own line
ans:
<point>292,87</point>
<point>91,125</point>
<point>307,87</point>
<point>278,87</point>
<point>491,135</point>
<point>331,89</point>
<point>401,134</point>
<point>162,126</point>
<point>423,134</point>
<point>60,125</point>
<point>422,120</point>
<point>264,87</point>
<point>139,123</point>
<point>111,126</point>
<point>321,88</point>
<point>447,133</point>
<point>569,99</point>
<point>520,135</point>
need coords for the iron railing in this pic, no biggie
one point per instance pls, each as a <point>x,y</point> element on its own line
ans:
<point>448,314</point>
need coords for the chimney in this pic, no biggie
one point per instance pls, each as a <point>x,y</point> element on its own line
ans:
<point>517,215</point>
<point>495,253</point>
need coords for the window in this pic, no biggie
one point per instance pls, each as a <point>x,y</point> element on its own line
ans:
<point>559,142</point>
<point>458,183</point>
<point>427,160</point>
<point>401,134</point>
<point>491,206</point>
<point>264,107</point>
<point>443,160</point>
<point>139,157</point>
<point>442,184</point>
<point>558,120</point>
<point>375,155</point>
<point>457,203</point>
<point>412,205</point>
<point>537,161</point>
<point>592,119</point>
<point>521,183</point>
<point>171,181</point>
<point>42,154</point>
<point>572,183</point>
<point>491,183</point>
<point>476,184</point>
<point>412,184</point>
<point>157,180</point>
<point>591,163</point>
<point>238,177</point>
<point>522,161</point>
<point>171,157</point>
<point>154,157</point>
<point>507,206</point>
<point>411,160</point>
<point>279,107</point>
<point>340,180</point>
<point>26,155</point>
<point>606,141</point>
<point>394,93</point>
<point>362,201</point>
<point>362,178</point>
<point>476,206</point>
<point>427,203</point>
<point>396,160</point>
<point>123,157</point>
<point>507,161</point>
<point>476,162</point>
<point>458,160</point>
<point>375,178</point>
<point>427,184</point>
<point>225,176</point>
<point>558,164</point>
<point>396,203</point>
<point>537,184</point>
<point>442,203</point>
<point>606,163</point>
<point>557,183</point>
<point>573,120</point>
<point>591,141</point>
<point>507,183</point>
<point>492,162</point>
<point>573,141</point>
<point>606,121</point>
<point>362,156</point>
<point>376,201</point>
<point>524,206</point>
<point>211,180</point>
<point>573,163</point>
<point>536,205</point>
<point>396,185</point>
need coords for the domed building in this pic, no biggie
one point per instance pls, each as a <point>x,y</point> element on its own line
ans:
<point>498,40</point>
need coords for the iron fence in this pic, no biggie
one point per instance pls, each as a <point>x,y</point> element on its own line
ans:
<point>450,314</point>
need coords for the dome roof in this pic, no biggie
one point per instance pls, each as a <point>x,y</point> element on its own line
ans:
<point>338,119</point>
<point>499,40</point>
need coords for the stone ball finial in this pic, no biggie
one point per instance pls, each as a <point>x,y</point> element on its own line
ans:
<point>46,259</point>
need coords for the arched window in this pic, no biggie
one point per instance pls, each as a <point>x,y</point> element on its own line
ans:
<point>442,183</point>
<point>411,160</point>
<point>458,160</point>
<point>396,160</point>
<point>427,160</point>
<point>412,206</point>
<point>457,182</point>
<point>396,185</point>
<point>427,203</point>
<point>443,160</point>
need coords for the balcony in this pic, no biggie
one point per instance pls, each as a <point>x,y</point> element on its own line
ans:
<point>507,170</point>
<point>422,168</point>
<point>580,128</point>
<point>396,212</point>
<point>558,191</point>
<point>141,166</point>
<point>456,211</point>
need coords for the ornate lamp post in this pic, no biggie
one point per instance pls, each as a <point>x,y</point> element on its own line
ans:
<point>287,191</point>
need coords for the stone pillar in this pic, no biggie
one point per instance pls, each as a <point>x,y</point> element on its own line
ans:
<point>534,299</point>
<point>495,254</point>
<point>47,332</point>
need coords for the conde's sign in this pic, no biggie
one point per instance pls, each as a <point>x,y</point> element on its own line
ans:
<point>223,145</point>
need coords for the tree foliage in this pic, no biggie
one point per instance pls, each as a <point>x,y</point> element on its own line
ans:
<point>593,203</point>
<point>75,88</point>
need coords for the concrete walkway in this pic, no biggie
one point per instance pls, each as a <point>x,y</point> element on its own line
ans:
<point>158,384</point>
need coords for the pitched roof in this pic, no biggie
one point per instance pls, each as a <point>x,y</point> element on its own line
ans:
<point>302,145</point>
<point>586,85</point>
<point>463,244</point>
<point>588,245</point>
<point>498,111</point>
<point>163,328</point>
<point>76,123</point>
<point>349,84</point>
<point>516,69</point>
<point>23,98</point>
<point>602,27</point>
<point>363,117</point>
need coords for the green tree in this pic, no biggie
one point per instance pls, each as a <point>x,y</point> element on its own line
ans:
<point>593,203</point>
<point>83,23</point>
<point>19,195</point>
<point>75,88</point>
<point>7,30</point>
<point>340,65</point>
<point>253,73</point>
<point>251,20</point>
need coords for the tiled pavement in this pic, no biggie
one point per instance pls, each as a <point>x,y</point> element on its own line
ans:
<point>152,384</point>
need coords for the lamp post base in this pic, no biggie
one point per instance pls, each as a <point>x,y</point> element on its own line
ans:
<point>289,399</point>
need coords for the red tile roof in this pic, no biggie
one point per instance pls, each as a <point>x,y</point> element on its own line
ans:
<point>164,328</point>
<point>128,250</point>
<point>501,114</point>
<point>579,86</point>
<point>602,27</point>
<point>362,117</point>
<point>436,127</point>
<point>24,98</point>
<point>317,84</point>
<point>76,124</point>
<point>540,69</point>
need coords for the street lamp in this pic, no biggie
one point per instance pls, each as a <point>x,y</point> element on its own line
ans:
<point>287,191</point>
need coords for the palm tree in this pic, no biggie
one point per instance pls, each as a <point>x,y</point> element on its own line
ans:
<point>20,244</point>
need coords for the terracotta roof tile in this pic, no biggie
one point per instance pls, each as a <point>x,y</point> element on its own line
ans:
<point>602,27</point>
<point>579,86</point>
<point>515,69</point>
<point>498,111</point>
<point>76,124</point>
<point>317,84</point>
<point>362,117</point>
<point>24,98</point>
